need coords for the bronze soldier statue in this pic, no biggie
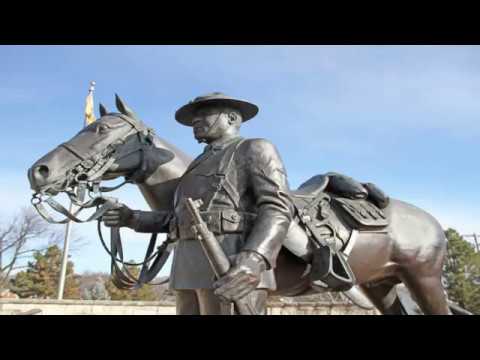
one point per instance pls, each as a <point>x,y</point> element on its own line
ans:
<point>342,234</point>
<point>244,190</point>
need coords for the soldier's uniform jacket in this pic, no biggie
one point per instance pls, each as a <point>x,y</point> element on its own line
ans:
<point>244,188</point>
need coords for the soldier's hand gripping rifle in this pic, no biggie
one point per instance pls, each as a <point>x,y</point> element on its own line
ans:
<point>213,251</point>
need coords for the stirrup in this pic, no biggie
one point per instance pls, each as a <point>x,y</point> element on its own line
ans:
<point>330,269</point>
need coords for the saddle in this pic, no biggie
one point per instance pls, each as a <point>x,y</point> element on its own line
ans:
<point>330,208</point>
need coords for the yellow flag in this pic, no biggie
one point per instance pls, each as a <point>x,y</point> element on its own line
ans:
<point>89,114</point>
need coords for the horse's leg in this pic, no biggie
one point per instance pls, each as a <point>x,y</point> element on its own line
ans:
<point>384,297</point>
<point>424,281</point>
<point>419,251</point>
<point>428,292</point>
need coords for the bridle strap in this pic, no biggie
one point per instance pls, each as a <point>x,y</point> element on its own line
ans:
<point>107,205</point>
<point>112,188</point>
<point>137,125</point>
<point>72,150</point>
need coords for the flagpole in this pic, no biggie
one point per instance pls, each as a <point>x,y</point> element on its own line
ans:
<point>68,230</point>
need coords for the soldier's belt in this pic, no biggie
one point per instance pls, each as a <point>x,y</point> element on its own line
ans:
<point>219,222</point>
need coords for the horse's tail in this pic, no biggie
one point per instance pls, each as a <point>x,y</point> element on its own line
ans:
<point>410,307</point>
<point>457,309</point>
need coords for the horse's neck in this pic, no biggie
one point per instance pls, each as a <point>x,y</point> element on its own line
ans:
<point>159,186</point>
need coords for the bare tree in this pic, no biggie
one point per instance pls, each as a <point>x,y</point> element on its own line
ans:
<point>22,236</point>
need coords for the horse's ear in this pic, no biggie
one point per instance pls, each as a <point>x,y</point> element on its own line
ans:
<point>124,109</point>
<point>103,110</point>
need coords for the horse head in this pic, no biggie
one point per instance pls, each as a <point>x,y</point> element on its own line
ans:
<point>117,144</point>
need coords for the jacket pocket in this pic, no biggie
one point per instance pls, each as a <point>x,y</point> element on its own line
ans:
<point>232,221</point>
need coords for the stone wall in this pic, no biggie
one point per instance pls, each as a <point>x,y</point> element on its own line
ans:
<point>95,307</point>
<point>320,308</point>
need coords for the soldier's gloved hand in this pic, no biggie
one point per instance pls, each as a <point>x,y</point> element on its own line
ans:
<point>118,217</point>
<point>242,278</point>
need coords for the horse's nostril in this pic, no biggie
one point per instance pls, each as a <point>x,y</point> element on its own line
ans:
<point>41,172</point>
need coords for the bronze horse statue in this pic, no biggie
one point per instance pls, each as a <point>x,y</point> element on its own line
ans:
<point>410,252</point>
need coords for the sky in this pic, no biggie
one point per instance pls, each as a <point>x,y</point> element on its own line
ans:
<point>403,117</point>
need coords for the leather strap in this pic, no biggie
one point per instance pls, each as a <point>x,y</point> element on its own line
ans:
<point>107,205</point>
<point>122,277</point>
<point>220,176</point>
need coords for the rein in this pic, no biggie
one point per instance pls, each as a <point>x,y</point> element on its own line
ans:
<point>88,175</point>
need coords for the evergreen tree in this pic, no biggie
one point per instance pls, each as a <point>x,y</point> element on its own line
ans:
<point>41,278</point>
<point>462,272</point>
<point>145,293</point>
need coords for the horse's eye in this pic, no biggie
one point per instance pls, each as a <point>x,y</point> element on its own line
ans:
<point>102,129</point>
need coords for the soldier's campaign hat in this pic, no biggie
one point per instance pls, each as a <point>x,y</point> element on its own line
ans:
<point>186,113</point>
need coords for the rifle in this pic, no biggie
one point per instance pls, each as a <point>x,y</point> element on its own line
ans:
<point>213,251</point>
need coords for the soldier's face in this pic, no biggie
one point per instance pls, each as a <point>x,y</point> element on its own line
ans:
<point>209,124</point>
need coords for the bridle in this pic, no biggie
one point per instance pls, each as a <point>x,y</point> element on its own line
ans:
<point>87,175</point>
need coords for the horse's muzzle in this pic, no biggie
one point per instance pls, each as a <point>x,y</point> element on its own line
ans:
<point>51,169</point>
<point>40,180</point>
<point>38,176</point>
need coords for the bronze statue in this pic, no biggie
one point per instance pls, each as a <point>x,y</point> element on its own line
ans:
<point>244,188</point>
<point>329,235</point>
